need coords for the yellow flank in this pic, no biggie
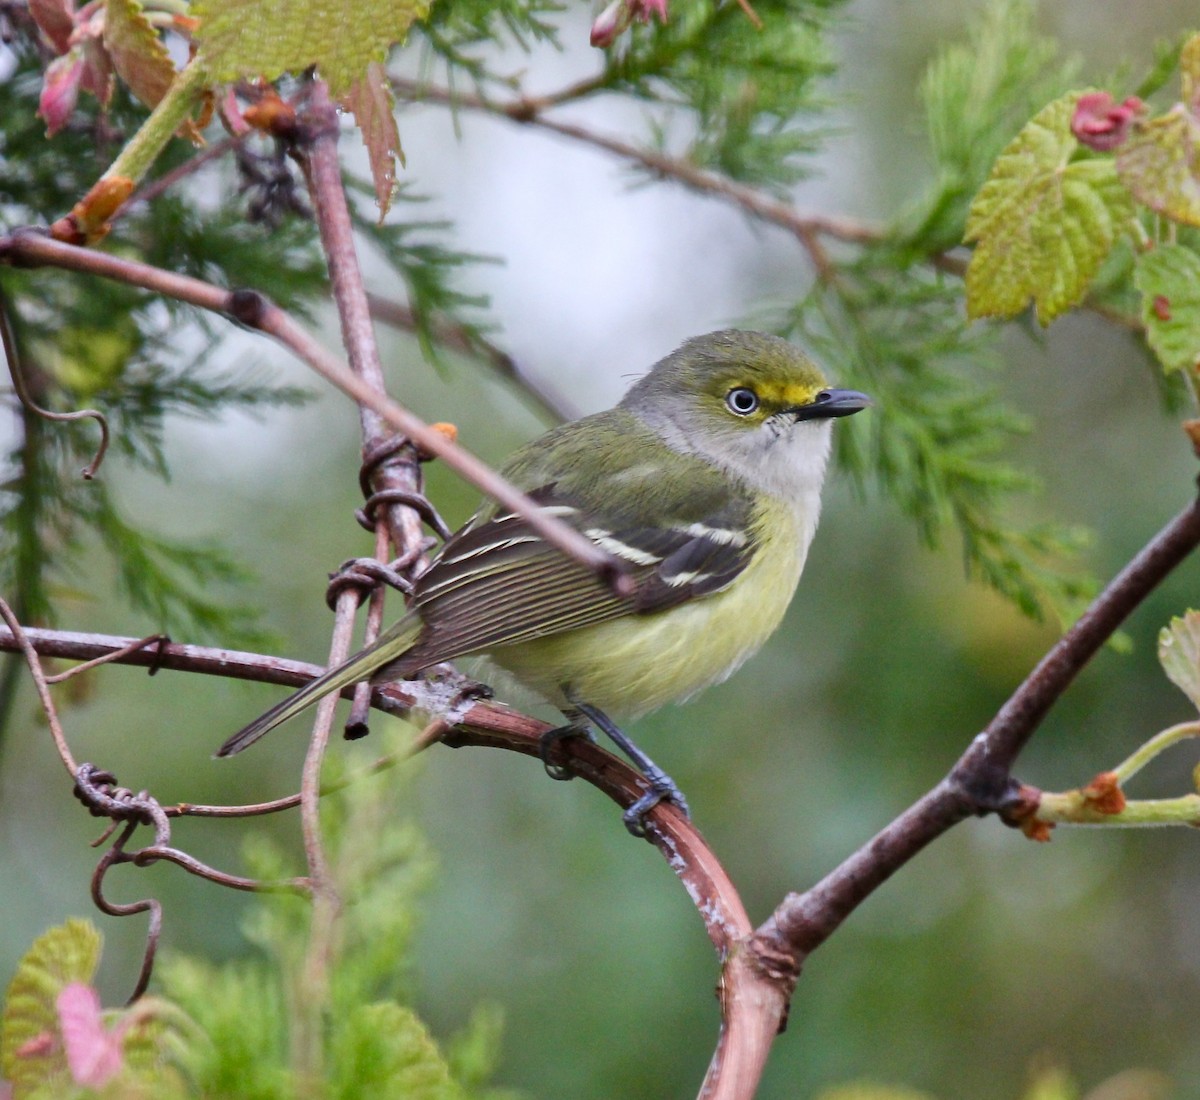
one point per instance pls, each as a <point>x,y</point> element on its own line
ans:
<point>635,664</point>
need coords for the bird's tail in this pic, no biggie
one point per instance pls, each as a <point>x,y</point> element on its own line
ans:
<point>387,649</point>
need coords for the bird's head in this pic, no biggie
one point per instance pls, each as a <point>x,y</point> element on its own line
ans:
<point>751,403</point>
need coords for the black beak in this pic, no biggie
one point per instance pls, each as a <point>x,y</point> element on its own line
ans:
<point>831,403</point>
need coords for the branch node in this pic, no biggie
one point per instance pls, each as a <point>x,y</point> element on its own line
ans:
<point>986,786</point>
<point>248,307</point>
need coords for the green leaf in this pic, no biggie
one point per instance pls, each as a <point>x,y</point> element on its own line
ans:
<point>31,1055</point>
<point>1158,164</point>
<point>1044,223</point>
<point>1168,278</point>
<point>248,38</point>
<point>1179,654</point>
<point>382,1051</point>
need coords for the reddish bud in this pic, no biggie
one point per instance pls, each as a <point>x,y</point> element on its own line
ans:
<point>610,23</point>
<point>1104,794</point>
<point>272,115</point>
<point>1161,307</point>
<point>614,19</point>
<point>1101,123</point>
<point>1037,830</point>
<point>60,90</point>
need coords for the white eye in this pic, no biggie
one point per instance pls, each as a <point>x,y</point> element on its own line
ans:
<point>741,400</point>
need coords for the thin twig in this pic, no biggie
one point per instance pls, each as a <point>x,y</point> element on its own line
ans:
<point>32,248</point>
<point>8,339</point>
<point>808,229</point>
<point>179,173</point>
<point>483,723</point>
<point>21,638</point>
<point>96,662</point>
<point>981,781</point>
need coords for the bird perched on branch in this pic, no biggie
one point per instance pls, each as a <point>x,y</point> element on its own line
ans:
<point>703,484</point>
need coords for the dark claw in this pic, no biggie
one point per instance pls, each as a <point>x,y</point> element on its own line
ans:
<point>546,745</point>
<point>662,789</point>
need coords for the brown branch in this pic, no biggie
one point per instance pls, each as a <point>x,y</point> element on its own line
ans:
<point>484,724</point>
<point>759,979</point>
<point>808,229</point>
<point>31,248</point>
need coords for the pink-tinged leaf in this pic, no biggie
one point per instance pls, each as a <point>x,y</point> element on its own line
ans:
<point>56,20</point>
<point>31,1057</point>
<point>97,69</point>
<point>1101,123</point>
<point>370,100</point>
<point>137,52</point>
<point>94,1053</point>
<point>1160,164</point>
<point>60,90</point>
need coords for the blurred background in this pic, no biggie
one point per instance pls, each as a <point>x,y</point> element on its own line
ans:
<point>986,956</point>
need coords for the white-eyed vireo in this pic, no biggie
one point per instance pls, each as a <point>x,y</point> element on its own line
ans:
<point>705,481</point>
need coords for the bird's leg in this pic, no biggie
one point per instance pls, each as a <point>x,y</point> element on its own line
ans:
<point>661,785</point>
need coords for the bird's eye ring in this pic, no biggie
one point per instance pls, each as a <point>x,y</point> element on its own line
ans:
<point>741,400</point>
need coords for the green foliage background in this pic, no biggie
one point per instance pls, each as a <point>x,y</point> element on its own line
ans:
<point>984,957</point>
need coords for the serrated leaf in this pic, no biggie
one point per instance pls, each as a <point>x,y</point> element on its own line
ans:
<point>30,1052</point>
<point>1044,223</point>
<point>1159,165</point>
<point>1179,654</point>
<point>139,57</point>
<point>371,101</point>
<point>248,38</point>
<point>136,50</point>
<point>1168,278</point>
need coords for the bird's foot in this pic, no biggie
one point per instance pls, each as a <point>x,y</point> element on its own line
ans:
<point>662,788</point>
<point>547,743</point>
